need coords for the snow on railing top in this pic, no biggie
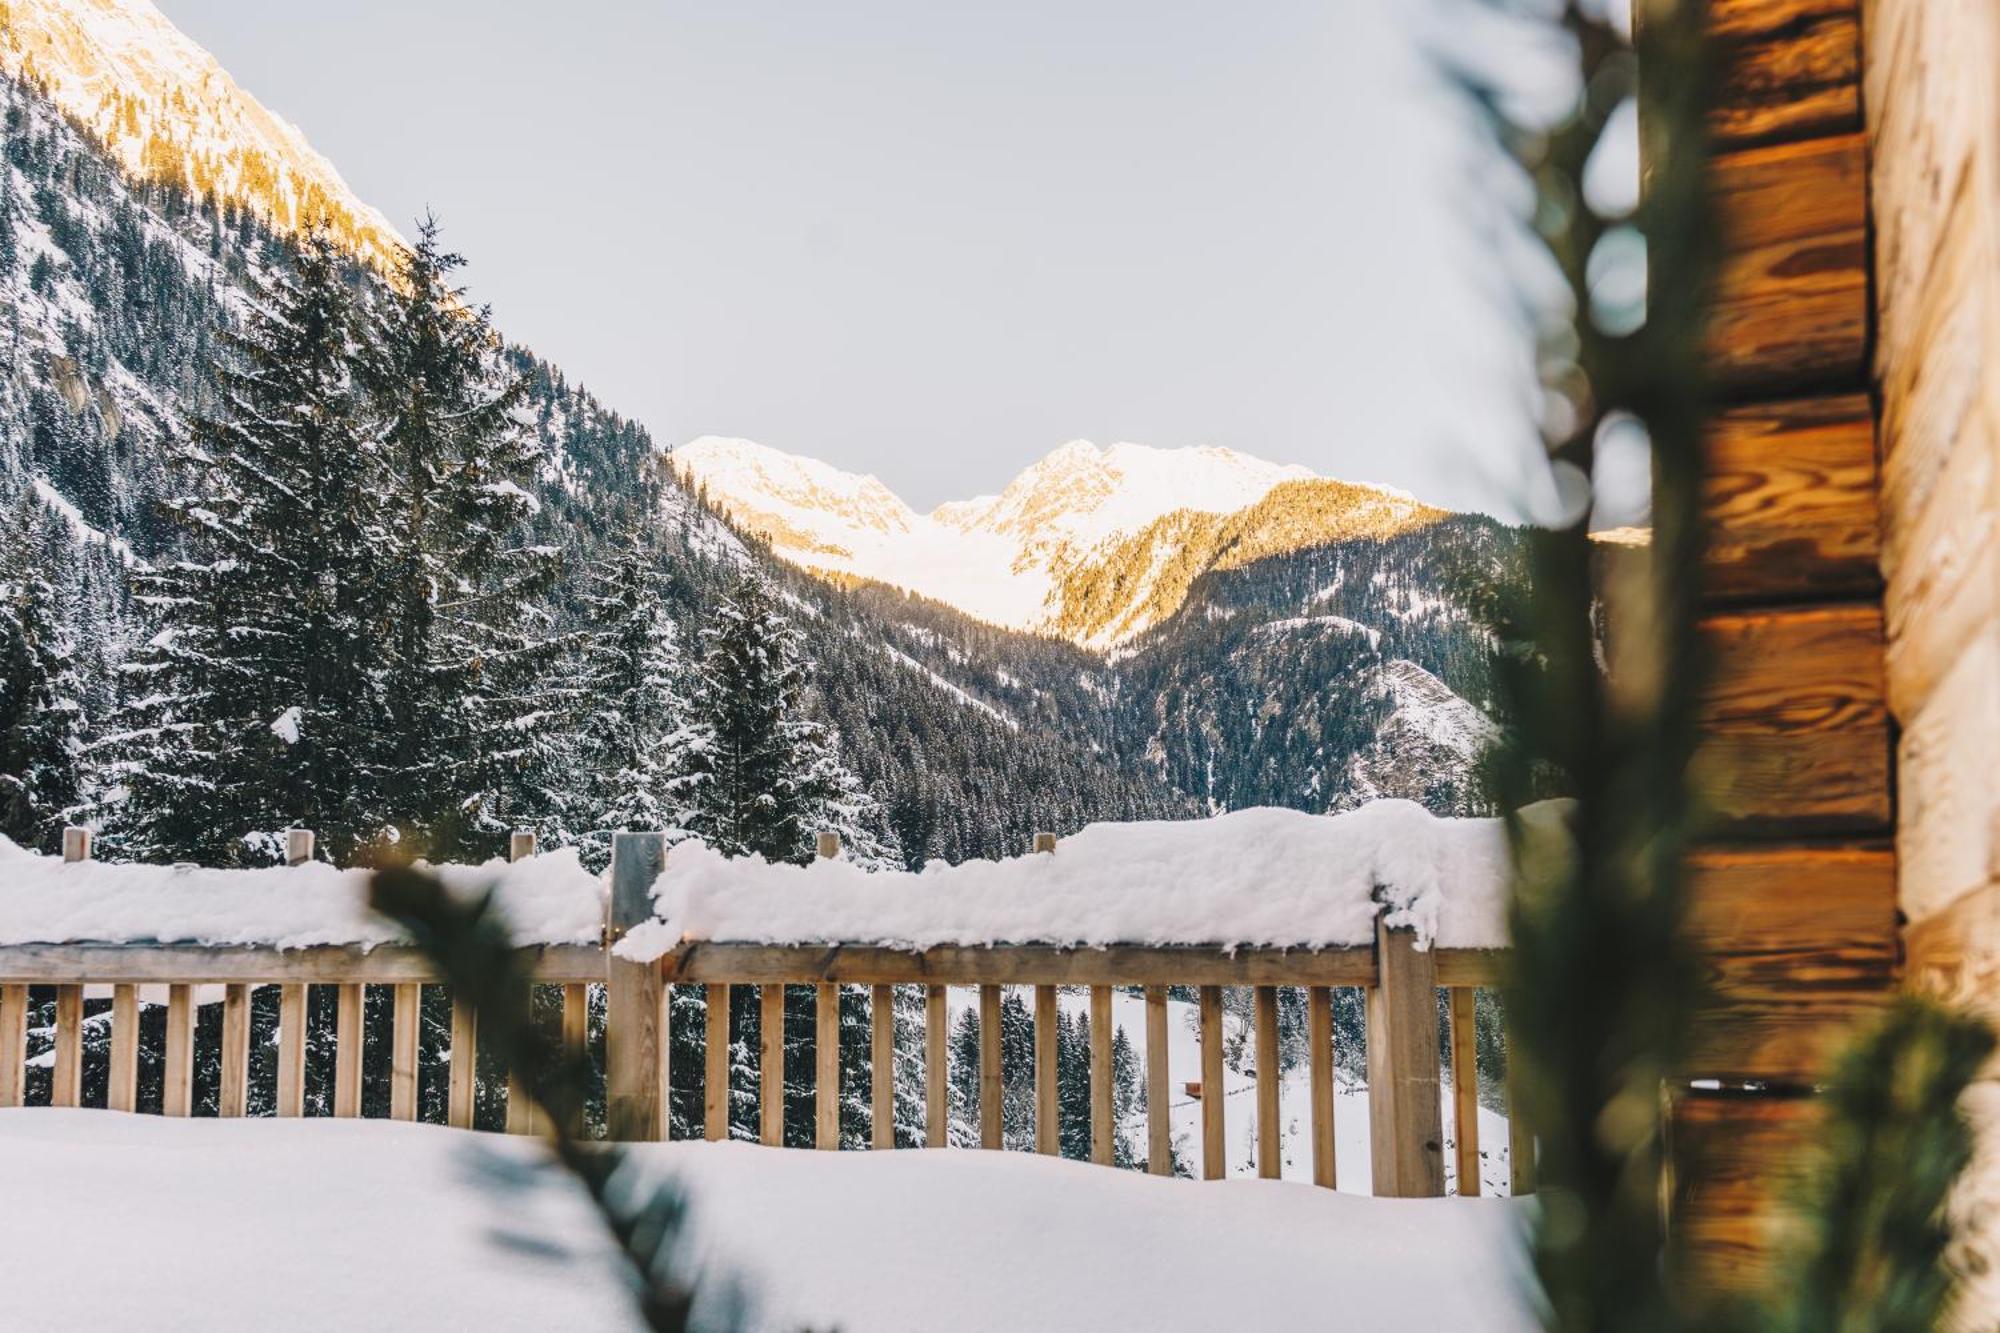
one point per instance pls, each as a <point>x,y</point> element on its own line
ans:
<point>547,899</point>
<point>1252,878</point>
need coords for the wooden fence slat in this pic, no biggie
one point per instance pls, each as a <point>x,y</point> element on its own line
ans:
<point>635,1034</point>
<point>715,1072</point>
<point>121,1091</point>
<point>1159,1097</point>
<point>882,1065</point>
<point>235,1094</point>
<point>404,1028</point>
<point>1320,1070</point>
<point>1048,1125</point>
<point>576,1039</point>
<point>67,1090</point>
<point>523,1116</point>
<point>347,1046</point>
<point>462,1082</point>
<point>1214,1118</point>
<point>1465,1086</point>
<point>1103,1128</point>
<point>13,1044</point>
<point>771,1066</point>
<point>292,1050</point>
<point>1270,1131</point>
<point>990,1090</point>
<point>1520,1140</point>
<point>826,1058</point>
<point>1405,1115</point>
<point>937,1072</point>
<point>177,1087</point>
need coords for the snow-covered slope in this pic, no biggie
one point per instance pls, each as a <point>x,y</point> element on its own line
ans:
<point>1091,543</point>
<point>168,111</point>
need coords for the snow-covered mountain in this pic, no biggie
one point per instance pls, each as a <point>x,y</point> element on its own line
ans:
<point>167,111</point>
<point>1093,544</point>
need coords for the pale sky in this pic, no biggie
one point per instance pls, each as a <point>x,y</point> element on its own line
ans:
<point>933,240</point>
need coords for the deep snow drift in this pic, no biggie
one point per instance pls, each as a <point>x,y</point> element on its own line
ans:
<point>311,1224</point>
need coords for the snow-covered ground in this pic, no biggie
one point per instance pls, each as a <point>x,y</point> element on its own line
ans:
<point>139,1222</point>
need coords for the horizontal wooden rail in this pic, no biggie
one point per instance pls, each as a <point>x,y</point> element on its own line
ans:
<point>141,963</point>
<point>1026,965</point>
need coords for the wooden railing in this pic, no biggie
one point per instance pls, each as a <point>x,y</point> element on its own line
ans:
<point>1401,984</point>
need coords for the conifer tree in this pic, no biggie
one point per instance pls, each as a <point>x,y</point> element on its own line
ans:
<point>255,694</point>
<point>41,720</point>
<point>470,739</point>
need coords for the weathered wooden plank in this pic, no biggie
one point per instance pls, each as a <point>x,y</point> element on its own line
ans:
<point>937,1071</point>
<point>403,1051</point>
<point>1405,1116</point>
<point>1270,1132</point>
<point>1800,941</point>
<point>13,1044</point>
<point>991,1090</point>
<point>1738,1158</point>
<point>771,1065</point>
<point>1791,308</point>
<point>462,1079</point>
<point>347,1043</point>
<point>1017,965</point>
<point>882,1066</point>
<point>177,1077</point>
<point>826,1055</point>
<point>1467,1087</point>
<point>1790,69</point>
<point>291,1050</point>
<point>1954,955</point>
<point>66,1089</point>
<point>1470,967</point>
<point>635,1065</point>
<point>715,1072</point>
<point>234,1099</point>
<point>122,1089</point>
<point>1796,732</point>
<point>206,965</point>
<point>576,1040</point>
<point>1789,489</point>
<point>1103,1123</point>
<point>1159,1100</point>
<point>1048,1135</point>
<point>1214,1117</point>
<point>1948,815</point>
<point>1319,1070</point>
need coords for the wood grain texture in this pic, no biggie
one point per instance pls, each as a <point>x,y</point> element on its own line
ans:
<point>462,1077</point>
<point>1791,307</point>
<point>1017,964</point>
<point>1319,1070</point>
<point>1949,804</point>
<point>1159,1109</point>
<point>403,1033</point>
<point>882,1066</point>
<point>991,1090</point>
<point>121,1092</point>
<point>1796,729</point>
<point>1214,1117</point>
<point>1954,955</point>
<point>66,1086</point>
<point>13,1044</point>
<point>771,1066</point>
<point>1270,1127</point>
<point>1790,69</point>
<point>576,1039</point>
<point>216,965</point>
<point>347,1042</point>
<point>1737,1159</point>
<point>937,1068</point>
<point>1103,1126</point>
<point>1405,1116</point>
<point>715,1071</point>
<point>1465,1088</point>
<point>1800,942</point>
<point>1790,495</point>
<point>177,1069</point>
<point>234,1099</point>
<point>826,1058</point>
<point>1048,1125</point>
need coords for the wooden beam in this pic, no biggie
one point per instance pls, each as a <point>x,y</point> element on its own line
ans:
<point>1740,1158</point>
<point>937,1069</point>
<point>635,1036</point>
<point>234,1099</point>
<point>122,1088</point>
<point>771,1065</point>
<point>409,1003</point>
<point>177,1085</point>
<point>715,1071</point>
<point>1405,1117</point>
<point>1790,69</point>
<point>1789,491</point>
<point>1103,1118</point>
<point>576,1040</point>
<point>1270,1131</point>
<point>1520,1136</point>
<point>1017,965</point>
<point>13,1044</point>
<point>462,1082</point>
<point>291,1050</point>
<point>826,1053</point>
<point>145,963</point>
<point>1465,1086</point>
<point>1320,1071</point>
<point>67,1087</point>
<point>1048,1125</point>
<point>1159,1097</point>
<point>991,1091</point>
<point>882,1066</point>
<point>1214,1118</point>
<point>347,1049</point>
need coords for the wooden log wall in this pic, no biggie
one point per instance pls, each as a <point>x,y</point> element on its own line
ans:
<point>1934,135</point>
<point>1796,898</point>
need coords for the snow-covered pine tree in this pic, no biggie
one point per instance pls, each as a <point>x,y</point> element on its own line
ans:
<point>255,697</point>
<point>471,746</point>
<point>632,732</point>
<point>41,721</point>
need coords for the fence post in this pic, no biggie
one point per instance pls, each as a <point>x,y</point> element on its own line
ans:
<point>520,844</point>
<point>826,1037</point>
<point>520,1107</point>
<point>633,1038</point>
<point>1406,1118</point>
<point>67,1088</point>
<point>292,1007</point>
<point>827,846</point>
<point>76,843</point>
